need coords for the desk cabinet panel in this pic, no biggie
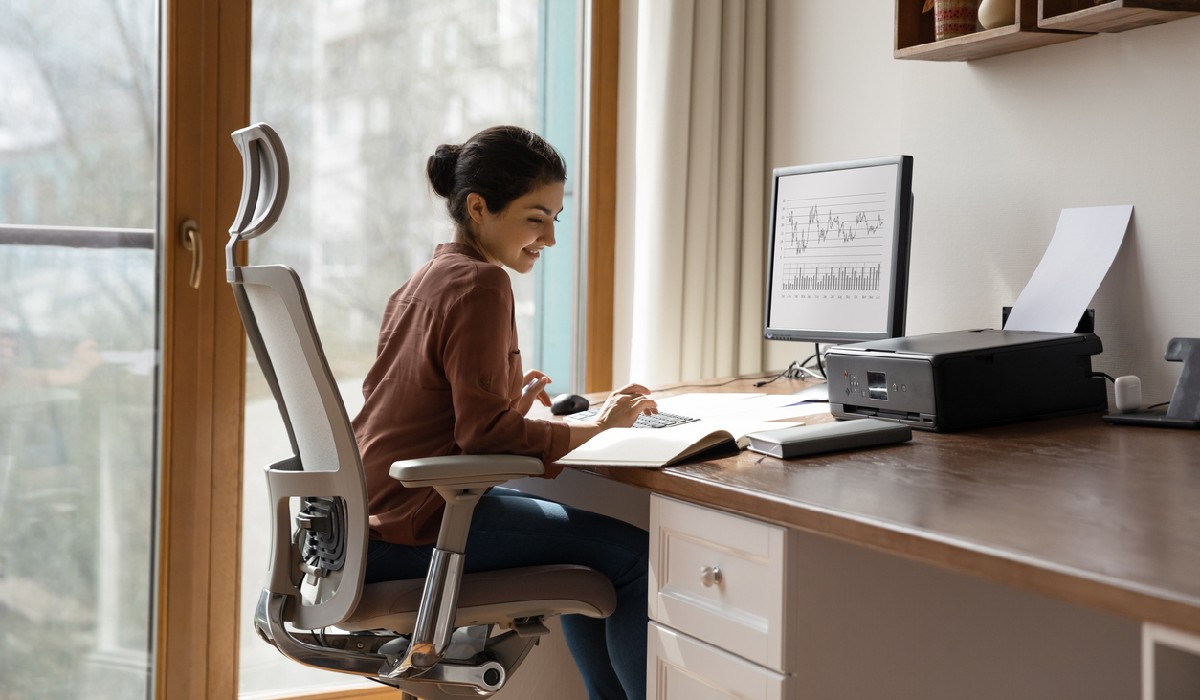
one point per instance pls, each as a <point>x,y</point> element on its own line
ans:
<point>682,668</point>
<point>719,578</point>
<point>1170,664</point>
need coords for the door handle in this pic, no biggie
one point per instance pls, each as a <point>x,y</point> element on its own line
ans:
<point>190,237</point>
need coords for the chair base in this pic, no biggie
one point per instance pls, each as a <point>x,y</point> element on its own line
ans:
<point>374,656</point>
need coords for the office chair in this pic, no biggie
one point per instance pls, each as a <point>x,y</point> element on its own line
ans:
<point>448,635</point>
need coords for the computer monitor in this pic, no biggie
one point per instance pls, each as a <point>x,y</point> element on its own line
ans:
<point>837,266</point>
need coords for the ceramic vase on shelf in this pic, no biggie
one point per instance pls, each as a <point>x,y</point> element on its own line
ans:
<point>997,13</point>
<point>953,18</point>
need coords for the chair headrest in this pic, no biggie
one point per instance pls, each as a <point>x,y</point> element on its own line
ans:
<point>264,180</point>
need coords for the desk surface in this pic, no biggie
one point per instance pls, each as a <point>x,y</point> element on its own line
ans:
<point>1100,515</point>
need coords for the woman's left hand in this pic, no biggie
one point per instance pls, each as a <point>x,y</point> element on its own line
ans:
<point>533,389</point>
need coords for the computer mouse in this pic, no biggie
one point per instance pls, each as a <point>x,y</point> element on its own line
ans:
<point>566,404</point>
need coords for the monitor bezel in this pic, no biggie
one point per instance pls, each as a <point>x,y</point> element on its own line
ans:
<point>897,293</point>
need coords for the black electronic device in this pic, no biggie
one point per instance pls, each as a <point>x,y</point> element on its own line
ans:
<point>565,404</point>
<point>964,379</point>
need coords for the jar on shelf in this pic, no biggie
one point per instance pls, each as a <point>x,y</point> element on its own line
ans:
<point>953,18</point>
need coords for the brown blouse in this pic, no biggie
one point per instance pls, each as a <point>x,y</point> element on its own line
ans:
<point>446,376</point>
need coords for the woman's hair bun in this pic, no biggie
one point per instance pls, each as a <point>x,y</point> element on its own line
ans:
<point>441,167</point>
<point>500,164</point>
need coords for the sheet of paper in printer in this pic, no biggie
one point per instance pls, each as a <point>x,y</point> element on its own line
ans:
<point>1085,243</point>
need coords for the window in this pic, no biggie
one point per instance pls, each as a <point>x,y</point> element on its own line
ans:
<point>78,346</point>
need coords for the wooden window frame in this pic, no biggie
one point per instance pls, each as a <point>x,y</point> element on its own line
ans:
<point>205,69</point>
<point>601,212</point>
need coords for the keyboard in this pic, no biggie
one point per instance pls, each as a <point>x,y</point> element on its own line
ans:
<point>658,420</point>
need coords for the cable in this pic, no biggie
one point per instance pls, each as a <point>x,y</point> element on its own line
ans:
<point>795,370</point>
<point>792,372</point>
<point>691,386</point>
<point>800,370</point>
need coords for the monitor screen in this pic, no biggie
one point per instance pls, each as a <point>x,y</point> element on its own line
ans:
<point>837,265</point>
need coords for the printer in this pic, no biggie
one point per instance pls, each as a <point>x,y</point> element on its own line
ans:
<point>963,379</point>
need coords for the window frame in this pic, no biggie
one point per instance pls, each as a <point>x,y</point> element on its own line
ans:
<point>205,96</point>
<point>600,208</point>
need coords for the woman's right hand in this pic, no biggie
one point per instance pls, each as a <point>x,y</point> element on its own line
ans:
<point>624,405</point>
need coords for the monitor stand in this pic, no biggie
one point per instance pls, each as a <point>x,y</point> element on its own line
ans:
<point>815,393</point>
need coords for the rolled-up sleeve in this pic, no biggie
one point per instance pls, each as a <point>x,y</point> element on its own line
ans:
<point>482,363</point>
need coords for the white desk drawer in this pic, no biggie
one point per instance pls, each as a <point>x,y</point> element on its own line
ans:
<point>682,668</point>
<point>743,607</point>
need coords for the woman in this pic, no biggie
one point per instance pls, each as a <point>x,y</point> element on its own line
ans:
<point>448,379</point>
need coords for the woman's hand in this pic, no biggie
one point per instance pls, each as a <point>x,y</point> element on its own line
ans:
<point>533,389</point>
<point>620,410</point>
<point>624,405</point>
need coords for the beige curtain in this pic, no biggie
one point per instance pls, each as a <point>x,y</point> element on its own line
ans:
<point>699,219</point>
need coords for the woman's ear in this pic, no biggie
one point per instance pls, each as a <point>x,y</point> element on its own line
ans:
<point>476,207</point>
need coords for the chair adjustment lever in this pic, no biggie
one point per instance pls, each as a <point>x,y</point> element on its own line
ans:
<point>530,627</point>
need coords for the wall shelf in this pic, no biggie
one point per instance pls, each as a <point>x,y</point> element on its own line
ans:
<point>1038,23</point>
<point>1112,16</point>
<point>915,38</point>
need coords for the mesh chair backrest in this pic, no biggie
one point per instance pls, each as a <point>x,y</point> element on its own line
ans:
<point>323,569</point>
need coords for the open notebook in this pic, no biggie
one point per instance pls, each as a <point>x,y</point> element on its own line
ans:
<point>723,419</point>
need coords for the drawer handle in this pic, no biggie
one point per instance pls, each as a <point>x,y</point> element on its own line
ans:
<point>710,576</point>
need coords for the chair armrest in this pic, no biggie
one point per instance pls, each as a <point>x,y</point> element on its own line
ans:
<point>460,480</point>
<point>464,471</point>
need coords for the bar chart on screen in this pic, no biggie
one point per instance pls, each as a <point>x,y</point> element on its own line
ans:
<point>844,277</point>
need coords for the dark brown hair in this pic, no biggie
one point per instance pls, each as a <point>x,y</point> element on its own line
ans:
<point>501,164</point>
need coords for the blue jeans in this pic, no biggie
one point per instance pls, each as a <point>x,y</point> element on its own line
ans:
<point>511,529</point>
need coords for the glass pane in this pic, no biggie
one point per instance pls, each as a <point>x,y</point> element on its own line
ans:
<point>78,276</point>
<point>361,93</point>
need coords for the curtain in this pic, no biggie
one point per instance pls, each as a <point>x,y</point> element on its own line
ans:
<point>699,224</point>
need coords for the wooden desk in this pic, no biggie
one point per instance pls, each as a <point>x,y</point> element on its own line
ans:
<point>1100,515</point>
<point>1103,517</point>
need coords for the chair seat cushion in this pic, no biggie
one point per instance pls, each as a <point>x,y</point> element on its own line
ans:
<point>490,597</point>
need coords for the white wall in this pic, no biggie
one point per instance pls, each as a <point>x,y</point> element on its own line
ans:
<point>1001,145</point>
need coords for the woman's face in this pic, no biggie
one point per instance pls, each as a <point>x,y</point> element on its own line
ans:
<point>514,236</point>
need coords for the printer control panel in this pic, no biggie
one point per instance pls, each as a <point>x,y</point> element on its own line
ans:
<point>882,387</point>
<point>876,386</point>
